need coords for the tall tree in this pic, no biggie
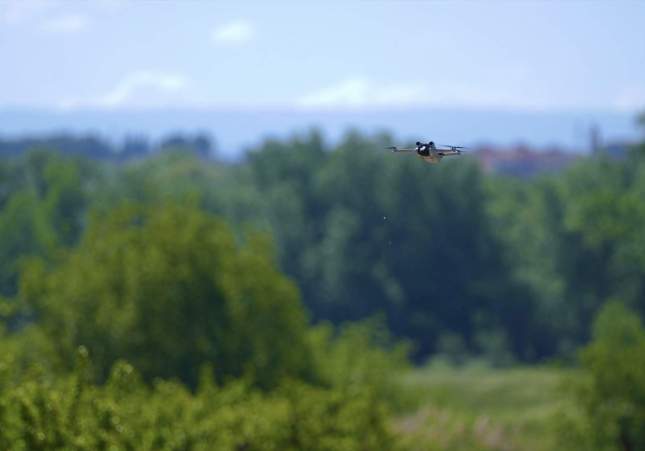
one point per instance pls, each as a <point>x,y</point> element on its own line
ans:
<point>170,290</point>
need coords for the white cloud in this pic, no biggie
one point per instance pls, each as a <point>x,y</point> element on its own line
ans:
<point>131,84</point>
<point>21,12</point>
<point>631,98</point>
<point>147,88</point>
<point>236,32</point>
<point>67,24</point>
<point>364,93</point>
<point>110,6</point>
<point>359,92</point>
<point>48,16</point>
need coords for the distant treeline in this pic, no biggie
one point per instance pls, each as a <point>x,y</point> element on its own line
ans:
<point>458,262</point>
<point>95,147</point>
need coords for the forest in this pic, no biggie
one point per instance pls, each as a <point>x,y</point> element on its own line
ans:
<point>317,296</point>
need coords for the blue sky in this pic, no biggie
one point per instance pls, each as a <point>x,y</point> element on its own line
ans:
<point>111,54</point>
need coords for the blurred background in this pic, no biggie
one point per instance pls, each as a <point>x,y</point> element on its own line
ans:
<point>205,245</point>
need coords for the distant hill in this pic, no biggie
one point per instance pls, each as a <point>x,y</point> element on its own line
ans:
<point>92,145</point>
<point>233,130</point>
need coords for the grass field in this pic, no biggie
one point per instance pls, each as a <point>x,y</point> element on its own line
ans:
<point>479,408</point>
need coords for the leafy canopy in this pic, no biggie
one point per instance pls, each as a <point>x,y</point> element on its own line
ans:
<point>170,289</point>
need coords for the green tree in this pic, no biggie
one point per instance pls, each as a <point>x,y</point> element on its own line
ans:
<point>575,239</point>
<point>43,198</point>
<point>611,396</point>
<point>169,289</point>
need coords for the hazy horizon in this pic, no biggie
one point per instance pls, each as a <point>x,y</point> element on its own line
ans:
<point>234,130</point>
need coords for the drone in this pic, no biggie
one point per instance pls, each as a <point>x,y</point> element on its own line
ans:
<point>429,152</point>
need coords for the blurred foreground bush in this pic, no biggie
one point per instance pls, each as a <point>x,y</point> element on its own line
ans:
<point>219,353</point>
<point>362,354</point>
<point>71,413</point>
<point>610,411</point>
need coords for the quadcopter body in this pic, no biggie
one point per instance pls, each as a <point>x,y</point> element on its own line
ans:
<point>429,151</point>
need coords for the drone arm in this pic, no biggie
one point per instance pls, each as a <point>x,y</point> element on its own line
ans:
<point>396,149</point>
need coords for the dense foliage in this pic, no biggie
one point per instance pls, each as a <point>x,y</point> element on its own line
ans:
<point>71,413</point>
<point>458,262</point>
<point>175,302</point>
<point>610,395</point>
<point>169,290</point>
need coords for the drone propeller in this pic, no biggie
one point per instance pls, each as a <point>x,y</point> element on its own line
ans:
<point>454,147</point>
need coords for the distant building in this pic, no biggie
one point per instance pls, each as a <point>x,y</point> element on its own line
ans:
<point>595,141</point>
<point>521,161</point>
<point>617,150</point>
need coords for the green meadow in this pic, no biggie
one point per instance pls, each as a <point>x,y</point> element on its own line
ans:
<point>478,407</point>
